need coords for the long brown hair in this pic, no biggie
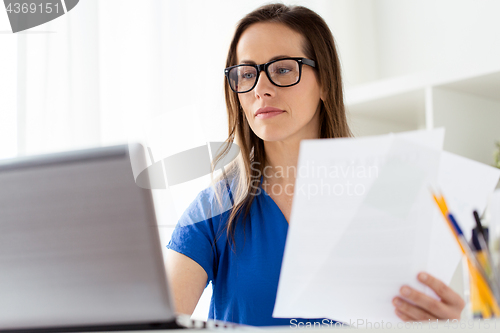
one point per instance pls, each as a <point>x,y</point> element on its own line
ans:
<point>248,167</point>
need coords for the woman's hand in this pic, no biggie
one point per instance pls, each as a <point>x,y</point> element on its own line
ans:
<point>423,307</point>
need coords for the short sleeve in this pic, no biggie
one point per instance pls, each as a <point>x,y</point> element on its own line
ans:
<point>194,234</point>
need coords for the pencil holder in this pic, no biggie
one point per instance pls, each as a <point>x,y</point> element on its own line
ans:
<point>480,298</point>
<point>467,313</point>
<point>492,217</point>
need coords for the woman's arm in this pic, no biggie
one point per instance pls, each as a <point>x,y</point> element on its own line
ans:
<point>187,281</point>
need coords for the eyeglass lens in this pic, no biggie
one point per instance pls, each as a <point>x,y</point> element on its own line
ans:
<point>282,73</point>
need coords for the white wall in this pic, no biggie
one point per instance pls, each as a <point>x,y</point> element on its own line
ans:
<point>471,122</point>
<point>420,35</point>
<point>8,96</point>
<point>380,39</point>
<point>352,23</point>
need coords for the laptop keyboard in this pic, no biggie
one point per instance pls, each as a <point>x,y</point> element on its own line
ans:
<point>187,322</point>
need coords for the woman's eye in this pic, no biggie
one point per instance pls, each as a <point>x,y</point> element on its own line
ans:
<point>283,70</point>
<point>247,76</point>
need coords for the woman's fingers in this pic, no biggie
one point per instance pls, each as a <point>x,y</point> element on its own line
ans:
<point>418,306</point>
<point>430,305</point>
<point>412,312</point>
<point>403,316</point>
<point>446,294</point>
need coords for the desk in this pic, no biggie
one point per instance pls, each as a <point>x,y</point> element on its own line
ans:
<point>475,326</point>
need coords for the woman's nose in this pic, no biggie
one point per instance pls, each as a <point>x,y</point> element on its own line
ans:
<point>264,87</point>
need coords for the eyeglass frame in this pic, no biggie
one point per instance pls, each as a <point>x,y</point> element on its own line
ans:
<point>264,67</point>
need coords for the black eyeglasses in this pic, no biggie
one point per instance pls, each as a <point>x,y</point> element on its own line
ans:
<point>283,72</point>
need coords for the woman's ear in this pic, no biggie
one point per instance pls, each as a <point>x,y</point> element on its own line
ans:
<point>322,91</point>
<point>322,95</point>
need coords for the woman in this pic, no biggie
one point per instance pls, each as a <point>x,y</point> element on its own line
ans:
<point>283,85</point>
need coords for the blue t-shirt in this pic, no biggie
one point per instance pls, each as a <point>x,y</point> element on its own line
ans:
<point>244,281</point>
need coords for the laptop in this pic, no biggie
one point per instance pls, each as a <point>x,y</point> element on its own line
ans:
<point>79,246</point>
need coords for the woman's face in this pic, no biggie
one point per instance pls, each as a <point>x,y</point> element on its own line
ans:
<point>261,43</point>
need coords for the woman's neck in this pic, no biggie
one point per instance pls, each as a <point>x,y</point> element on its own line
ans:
<point>282,156</point>
<point>281,161</point>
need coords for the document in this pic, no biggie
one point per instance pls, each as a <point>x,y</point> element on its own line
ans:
<point>363,223</point>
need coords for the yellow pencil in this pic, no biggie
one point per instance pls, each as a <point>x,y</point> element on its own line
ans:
<point>477,279</point>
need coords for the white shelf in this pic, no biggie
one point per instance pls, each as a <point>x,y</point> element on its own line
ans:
<point>475,81</point>
<point>486,85</point>
<point>467,104</point>
<point>400,112</point>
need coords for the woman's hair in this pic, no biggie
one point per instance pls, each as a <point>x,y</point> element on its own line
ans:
<point>246,170</point>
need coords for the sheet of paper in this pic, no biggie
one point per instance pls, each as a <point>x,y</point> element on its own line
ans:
<point>361,229</point>
<point>351,268</point>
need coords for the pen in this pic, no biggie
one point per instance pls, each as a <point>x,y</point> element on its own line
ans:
<point>486,288</point>
<point>480,279</point>
<point>478,224</point>
<point>484,255</point>
<point>470,254</point>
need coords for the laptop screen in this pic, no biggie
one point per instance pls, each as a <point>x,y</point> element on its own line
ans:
<point>79,243</point>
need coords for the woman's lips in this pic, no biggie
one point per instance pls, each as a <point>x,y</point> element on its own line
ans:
<point>267,112</point>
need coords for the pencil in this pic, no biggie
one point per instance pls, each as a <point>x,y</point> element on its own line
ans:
<point>484,255</point>
<point>478,276</point>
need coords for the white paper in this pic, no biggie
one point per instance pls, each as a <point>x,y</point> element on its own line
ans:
<point>348,254</point>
